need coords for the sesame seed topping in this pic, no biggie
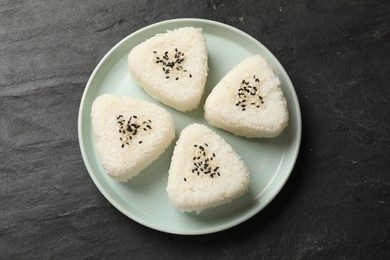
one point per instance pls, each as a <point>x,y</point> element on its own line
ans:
<point>171,60</point>
<point>204,161</point>
<point>130,128</point>
<point>248,94</point>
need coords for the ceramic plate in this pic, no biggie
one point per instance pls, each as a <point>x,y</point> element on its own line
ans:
<point>144,198</point>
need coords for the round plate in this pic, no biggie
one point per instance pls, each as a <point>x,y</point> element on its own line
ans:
<point>144,198</point>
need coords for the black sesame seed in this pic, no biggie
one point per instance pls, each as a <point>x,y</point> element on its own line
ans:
<point>167,77</point>
<point>140,142</point>
<point>185,179</point>
<point>123,145</point>
<point>190,76</point>
<point>177,78</point>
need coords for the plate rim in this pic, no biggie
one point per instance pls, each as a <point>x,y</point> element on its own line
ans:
<point>207,230</point>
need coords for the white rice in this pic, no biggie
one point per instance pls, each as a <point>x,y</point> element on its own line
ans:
<point>189,191</point>
<point>125,163</point>
<point>223,110</point>
<point>184,87</point>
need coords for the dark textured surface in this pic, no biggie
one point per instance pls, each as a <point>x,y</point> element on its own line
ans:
<point>334,206</point>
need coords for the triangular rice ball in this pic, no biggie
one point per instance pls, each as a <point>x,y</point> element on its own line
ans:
<point>205,171</point>
<point>172,67</point>
<point>129,133</point>
<point>248,101</point>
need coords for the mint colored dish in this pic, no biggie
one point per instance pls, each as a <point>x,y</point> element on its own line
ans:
<point>144,198</point>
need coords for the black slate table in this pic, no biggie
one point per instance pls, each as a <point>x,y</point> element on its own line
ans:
<point>335,204</point>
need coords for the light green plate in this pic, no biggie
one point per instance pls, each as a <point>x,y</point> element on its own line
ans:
<point>144,198</point>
